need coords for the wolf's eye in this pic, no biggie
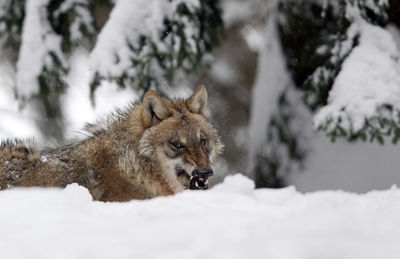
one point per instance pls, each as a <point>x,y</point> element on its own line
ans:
<point>203,141</point>
<point>177,144</point>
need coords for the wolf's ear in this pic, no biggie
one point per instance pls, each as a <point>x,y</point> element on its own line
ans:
<point>154,109</point>
<point>197,103</point>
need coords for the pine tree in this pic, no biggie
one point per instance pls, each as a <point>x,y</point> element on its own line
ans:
<point>343,60</point>
<point>320,37</point>
<point>155,39</point>
<point>175,38</point>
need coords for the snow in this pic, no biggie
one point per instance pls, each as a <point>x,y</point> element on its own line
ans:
<point>129,21</point>
<point>236,11</point>
<point>350,166</point>
<point>223,72</point>
<point>3,7</point>
<point>82,17</point>
<point>15,123</point>
<point>232,220</point>
<point>270,82</point>
<point>254,37</point>
<point>356,167</point>
<point>369,79</point>
<point>41,45</point>
<point>38,41</point>
<point>77,107</point>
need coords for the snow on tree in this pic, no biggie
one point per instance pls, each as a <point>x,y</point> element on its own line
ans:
<point>40,36</point>
<point>142,44</point>
<point>147,41</point>
<point>50,28</point>
<point>277,144</point>
<point>365,98</point>
<point>11,19</point>
<point>348,66</point>
<point>343,59</point>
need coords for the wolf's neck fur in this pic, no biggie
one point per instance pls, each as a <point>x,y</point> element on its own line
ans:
<point>124,137</point>
<point>127,131</point>
<point>123,130</point>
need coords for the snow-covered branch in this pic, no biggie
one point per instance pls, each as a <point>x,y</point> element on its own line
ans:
<point>42,59</point>
<point>365,97</point>
<point>145,41</point>
<point>348,65</point>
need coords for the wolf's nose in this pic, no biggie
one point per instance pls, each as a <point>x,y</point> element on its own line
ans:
<point>202,173</point>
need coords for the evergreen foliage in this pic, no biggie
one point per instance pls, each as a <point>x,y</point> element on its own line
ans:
<point>320,36</point>
<point>179,43</point>
<point>57,27</point>
<point>316,34</point>
<point>12,13</point>
<point>284,147</point>
<point>317,37</point>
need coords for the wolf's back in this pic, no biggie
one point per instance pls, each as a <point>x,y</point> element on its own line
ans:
<point>16,159</point>
<point>26,165</point>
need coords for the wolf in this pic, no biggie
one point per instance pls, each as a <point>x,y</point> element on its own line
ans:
<point>156,147</point>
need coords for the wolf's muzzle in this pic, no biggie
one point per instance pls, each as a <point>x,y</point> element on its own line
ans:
<point>199,179</point>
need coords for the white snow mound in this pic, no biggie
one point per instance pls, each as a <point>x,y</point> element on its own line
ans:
<point>232,220</point>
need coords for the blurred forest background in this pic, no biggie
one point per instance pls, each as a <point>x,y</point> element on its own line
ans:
<point>303,93</point>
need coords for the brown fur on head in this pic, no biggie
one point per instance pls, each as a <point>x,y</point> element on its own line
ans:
<point>178,138</point>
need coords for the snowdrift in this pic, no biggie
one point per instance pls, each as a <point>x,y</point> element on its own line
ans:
<point>232,220</point>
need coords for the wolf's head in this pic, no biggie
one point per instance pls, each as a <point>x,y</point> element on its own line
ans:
<point>178,140</point>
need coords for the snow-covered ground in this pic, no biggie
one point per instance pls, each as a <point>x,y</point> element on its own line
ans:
<point>232,220</point>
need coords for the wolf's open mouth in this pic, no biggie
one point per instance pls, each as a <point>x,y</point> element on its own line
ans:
<point>198,182</point>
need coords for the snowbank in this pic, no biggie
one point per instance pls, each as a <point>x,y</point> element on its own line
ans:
<point>232,220</point>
